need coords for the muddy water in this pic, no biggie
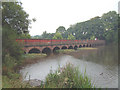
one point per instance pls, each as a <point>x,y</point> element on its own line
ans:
<point>101,66</point>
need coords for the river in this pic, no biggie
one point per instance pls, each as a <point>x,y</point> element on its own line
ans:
<point>101,66</point>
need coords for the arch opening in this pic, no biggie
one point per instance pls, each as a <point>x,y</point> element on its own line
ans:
<point>87,45</point>
<point>80,46</point>
<point>55,50</point>
<point>64,47</point>
<point>75,47</point>
<point>84,45</point>
<point>46,51</point>
<point>34,50</point>
<point>90,45</point>
<point>70,47</point>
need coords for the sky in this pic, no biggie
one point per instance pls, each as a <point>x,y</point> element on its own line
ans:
<point>50,14</point>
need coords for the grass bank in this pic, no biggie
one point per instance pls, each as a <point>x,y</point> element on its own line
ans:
<point>10,70</point>
<point>67,77</point>
<point>73,50</point>
<point>65,50</point>
<point>87,48</point>
<point>31,58</point>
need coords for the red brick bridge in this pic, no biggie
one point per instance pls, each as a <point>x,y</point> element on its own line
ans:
<point>50,45</point>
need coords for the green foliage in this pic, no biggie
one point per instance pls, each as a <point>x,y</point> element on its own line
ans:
<point>65,50</point>
<point>119,31</point>
<point>57,36</point>
<point>14,15</point>
<point>46,35</point>
<point>37,37</point>
<point>14,82</point>
<point>110,21</point>
<point>103,28</point>
<point>15,25</point>
<point>24,36</point>
<point>10,46</point>
<point>5,81</point>
<point>9,61</point>
<point>71,37</point>
<point>67,77</point>
<point>61,29</point>
<point>92,38</point>
<point>33,56</point>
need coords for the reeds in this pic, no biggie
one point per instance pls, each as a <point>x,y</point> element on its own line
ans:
<point>67,77</point>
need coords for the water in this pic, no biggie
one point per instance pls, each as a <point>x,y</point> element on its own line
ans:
<point>101,66</point>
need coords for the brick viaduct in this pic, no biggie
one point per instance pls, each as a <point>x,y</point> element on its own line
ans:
<point>47,46</point>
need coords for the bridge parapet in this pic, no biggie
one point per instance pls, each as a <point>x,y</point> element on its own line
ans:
<point>43,42</point>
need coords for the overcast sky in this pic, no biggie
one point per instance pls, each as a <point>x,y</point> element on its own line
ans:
<point>50,14</point>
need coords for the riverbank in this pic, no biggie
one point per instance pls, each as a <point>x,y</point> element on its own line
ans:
<point>80,53</point>
<point>67,77</point>
<point>12,78</point>
<point>30,59</point>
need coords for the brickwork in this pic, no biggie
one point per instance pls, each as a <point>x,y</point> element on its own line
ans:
<point>41,44</point>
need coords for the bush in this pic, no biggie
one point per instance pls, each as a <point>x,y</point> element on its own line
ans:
<point>67,77</point>
<point>10,46</point>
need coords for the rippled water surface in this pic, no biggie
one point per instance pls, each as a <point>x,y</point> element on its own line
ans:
<point>101,66</point>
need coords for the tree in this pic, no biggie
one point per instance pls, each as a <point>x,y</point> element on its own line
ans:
<point>24,36</point>
<point>57,36</point>
<point>102,28</point>
<point>37,37</point>
<point>15,25</point>
<point>61,29</point>
<point>46,35</point>
<point>110,20</point>
<point>9,44</point>
<point>71,37</point>
<point>14,15</point>
<point>92,38</point>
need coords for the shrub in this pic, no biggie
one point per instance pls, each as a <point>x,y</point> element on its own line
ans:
<point>67,77</point>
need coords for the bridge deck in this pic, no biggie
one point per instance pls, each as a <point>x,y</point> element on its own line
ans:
<point>43,42</point>
<point>45,45</point>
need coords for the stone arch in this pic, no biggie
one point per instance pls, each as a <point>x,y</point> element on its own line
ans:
<point>86,45</point>
<point>55,49</point>
<point>80,46</point>
<point>64,47</point>
<point>70,47</point>
<point>46,50</point>
<point>34,50</point>
<point>83,45</point>
<point>90,45</point>
<point>75,47</point>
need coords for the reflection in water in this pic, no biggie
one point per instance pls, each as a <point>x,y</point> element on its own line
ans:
<point>101,66</point>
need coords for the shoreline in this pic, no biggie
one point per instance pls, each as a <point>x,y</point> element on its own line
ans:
<point>74,53</point>
<point>32,60</point>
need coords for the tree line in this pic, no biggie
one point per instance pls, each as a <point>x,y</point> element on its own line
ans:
<point>102,28</point>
